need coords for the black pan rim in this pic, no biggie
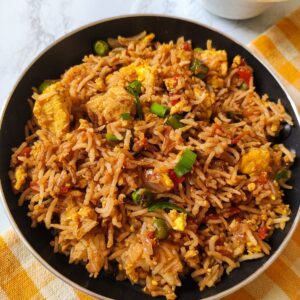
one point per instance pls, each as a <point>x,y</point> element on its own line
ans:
<point>227,292</point>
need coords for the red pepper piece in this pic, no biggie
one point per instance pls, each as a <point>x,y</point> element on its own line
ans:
<point>151,235</point>
<point>262,232</point>
<point>245,74</point>
<point>25,152</point>
<point>187,46</point>
<point>64,190</point>
<point>176,180</point>
<point>174,102</point>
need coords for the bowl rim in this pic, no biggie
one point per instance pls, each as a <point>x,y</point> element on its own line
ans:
<point>44,263</point>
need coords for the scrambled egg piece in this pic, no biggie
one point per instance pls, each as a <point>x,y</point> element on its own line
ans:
<point>251,186</point>
<point>178,220</point>
<point>215,81</point>
<point>53,113</point>
<point>21,176</point>
<point>87,212</point>
<point>216,60</point>
<point>167,181</point>
<point>191,253</point>
<point>256,160</point>
<point>181,106</point>
<point>283,210</point>
<point>253,248</point>
<point>237,60</point>
<point>108,107</point>
<point>142,72</point>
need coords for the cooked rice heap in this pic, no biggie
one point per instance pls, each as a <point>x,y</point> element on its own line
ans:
<point>104,170</point>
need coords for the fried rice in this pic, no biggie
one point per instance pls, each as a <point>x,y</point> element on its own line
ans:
<point>88,153</point>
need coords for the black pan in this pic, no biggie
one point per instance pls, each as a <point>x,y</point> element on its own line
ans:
<point>69,51</point>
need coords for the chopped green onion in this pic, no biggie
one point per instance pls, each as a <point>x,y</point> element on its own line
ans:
<point>168,206</point>
<point>111,138</point>
<point>199,69</point>
<point>142,197</point>
<point>161,229</point>
<point>159,110</point>
<point>174,121</point>
<point>44,85</point>
<point>185,162</point>
<point>101,48</point>
<point>135,89</point>
<point>283,175</point>
<point>244,86</point>
<point>126,116</point>
<point>198,49</point>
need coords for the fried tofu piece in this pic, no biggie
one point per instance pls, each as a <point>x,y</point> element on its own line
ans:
<point>53,112</point>
<point>256,160</point>
<point>108,107</point>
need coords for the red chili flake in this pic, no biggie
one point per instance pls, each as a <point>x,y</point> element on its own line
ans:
<point>187,46</point>
<point>262,232</point>
<point>64,190</point>
<point>34,186</point>
<point>151,235</point>
<point>176,180</point>
<point>25,152</point>
<point>263,178</point>
<point>245,74</point>
<point>174,102</point>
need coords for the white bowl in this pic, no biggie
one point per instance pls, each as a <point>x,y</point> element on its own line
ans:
<point>236,9</point>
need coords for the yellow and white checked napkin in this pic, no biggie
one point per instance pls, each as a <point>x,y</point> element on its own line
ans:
<point>23,277</point>
<point>279,48</point>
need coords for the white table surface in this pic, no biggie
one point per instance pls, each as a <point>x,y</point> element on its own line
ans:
<point>27,27</point>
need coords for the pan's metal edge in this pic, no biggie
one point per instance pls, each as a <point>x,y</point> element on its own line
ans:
<point>75,285</point>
